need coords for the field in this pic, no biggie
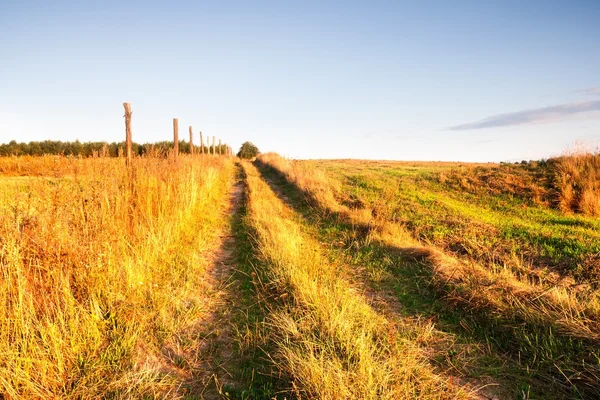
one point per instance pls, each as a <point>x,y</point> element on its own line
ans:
<point>214,277</point>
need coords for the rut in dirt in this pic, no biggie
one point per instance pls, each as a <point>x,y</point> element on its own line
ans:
<point>218,344</point>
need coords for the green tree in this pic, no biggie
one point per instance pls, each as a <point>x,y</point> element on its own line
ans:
<point>248,150</point>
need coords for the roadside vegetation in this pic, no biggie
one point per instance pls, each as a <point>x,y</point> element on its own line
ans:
<point>101,268</point>
<point>209,277</point>
<point>498,268</point>
<point>569,183</point>
<point>498,226</point>
<point>327,337</point>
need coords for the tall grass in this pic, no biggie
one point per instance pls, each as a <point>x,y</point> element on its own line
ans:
<point>552,315</point>
<point>570,182</point>
<point>311,179</point>
<point>577,180</point>
<point>100,271</point>
<point>329,339</point>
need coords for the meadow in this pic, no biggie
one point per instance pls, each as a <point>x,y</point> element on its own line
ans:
<point>101,270</point>
<point>214,277</point>
<point>506,272</point>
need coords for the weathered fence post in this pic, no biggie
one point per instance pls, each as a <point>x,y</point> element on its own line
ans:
<point>175,137</point>
<point>213,146</point>
<point>201,144</point>
<point>191,142</point>
<point>127,107</point>
<point>220,150</point>
<point>130,171</point>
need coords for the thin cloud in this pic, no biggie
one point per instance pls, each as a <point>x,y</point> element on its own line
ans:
<point>594,91</point>
<point>530,116</point>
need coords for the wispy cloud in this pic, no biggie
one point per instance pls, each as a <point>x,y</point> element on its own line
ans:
<point>530,116</point>
<point>594,91</point>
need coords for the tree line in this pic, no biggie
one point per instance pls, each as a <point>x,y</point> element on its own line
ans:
<point>89,149</point>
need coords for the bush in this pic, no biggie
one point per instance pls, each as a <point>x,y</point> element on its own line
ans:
<point>248,150</point>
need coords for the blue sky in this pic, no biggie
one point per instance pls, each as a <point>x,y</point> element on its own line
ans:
<point>414,80</point>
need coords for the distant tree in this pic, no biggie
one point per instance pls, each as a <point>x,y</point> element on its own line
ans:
<point>87,149</point>
<point>35,149</point>
<point>248,150</point>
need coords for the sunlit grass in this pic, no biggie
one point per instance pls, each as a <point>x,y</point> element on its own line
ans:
<point>101,266</point>
<point>329,339</point>
<point>406,216</point>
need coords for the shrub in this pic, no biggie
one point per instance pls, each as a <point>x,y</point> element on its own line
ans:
<point>248,151</point>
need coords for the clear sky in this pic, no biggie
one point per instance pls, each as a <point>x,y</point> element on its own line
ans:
<point>406,80</point>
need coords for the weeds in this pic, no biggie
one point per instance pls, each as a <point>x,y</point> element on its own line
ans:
<point>578,183</point>
<point>536,320</point>
<point>330,341</point>
<point>100,272</point>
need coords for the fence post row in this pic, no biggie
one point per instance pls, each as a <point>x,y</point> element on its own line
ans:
<point>222,149</point>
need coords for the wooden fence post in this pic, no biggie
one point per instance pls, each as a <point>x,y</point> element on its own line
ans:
<point>201,144</point>
<point>191,142</point>
<point>213,146</point>
<point>175,137</point>
<point>127,107</point>
<point>220,150</point>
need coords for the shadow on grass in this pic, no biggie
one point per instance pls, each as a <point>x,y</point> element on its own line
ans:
<point>532,357</point>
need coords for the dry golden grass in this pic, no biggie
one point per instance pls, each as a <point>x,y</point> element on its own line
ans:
<point>495,291</point>
<point>311,179</point>
<point>578,182</point>
<point>504,289</point>
<point>99,270</point>
<point>530,181</point>
<point>331,342</point>
<point>570,182</point>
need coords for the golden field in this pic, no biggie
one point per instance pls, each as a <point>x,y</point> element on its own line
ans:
<point>101,267</point>
<point>213,277</point>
